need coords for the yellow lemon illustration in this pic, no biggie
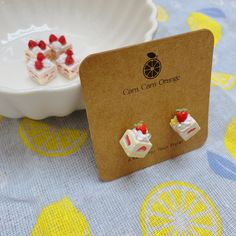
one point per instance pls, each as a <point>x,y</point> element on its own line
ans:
<point>179,208</point>
<point>50,141</point>
<point>162,14</point>
<point>225,81</point>
<point>230,137</point>
<point>61,219</point>
<point>198,21</point>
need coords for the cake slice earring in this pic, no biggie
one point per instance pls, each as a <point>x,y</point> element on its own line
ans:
<point>184,124</point>
<point>41,69</point>
<point>136,142</point>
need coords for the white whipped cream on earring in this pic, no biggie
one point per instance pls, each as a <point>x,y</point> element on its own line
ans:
<point>140,136</point>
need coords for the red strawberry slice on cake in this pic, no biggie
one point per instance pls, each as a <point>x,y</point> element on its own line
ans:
<point>142,127</point>
<point>191,130</point>
<point>42,44</point>
<point>128,142</point>
<point>32,44</point>
<point>181,115</point>
<point>69,52</point>
<point>142,149</point>
<point>38,65</point>
<point>69,60</point>
<point>62,39</point>
<point>52,38</point>
<point>40,56</point>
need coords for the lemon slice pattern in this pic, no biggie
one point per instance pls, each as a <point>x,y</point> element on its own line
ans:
<point>61,219</point>
<point>225,81</point>
<point>162,15</point>
<point>230,138</point>
<point>198,21</point>
<point>50,141</point>
<point>179,208</point>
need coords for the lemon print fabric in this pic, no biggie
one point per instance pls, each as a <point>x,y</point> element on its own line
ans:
<point>162,15</point>
<point>49,140</point>
<point>198,21</point>
<point>61,219</point>
<point>230,138</point>
<point>224,81</point>
<point>179,208</point>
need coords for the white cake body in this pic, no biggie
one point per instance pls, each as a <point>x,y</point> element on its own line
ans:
<point>135,144</point>
<point>43,76</point>
<point>186,129</point>
<point>68,71</point>
<point>32,53</point>
<point>57,48</point>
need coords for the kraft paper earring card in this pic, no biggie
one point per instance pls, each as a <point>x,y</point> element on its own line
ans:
<point>146,82</point>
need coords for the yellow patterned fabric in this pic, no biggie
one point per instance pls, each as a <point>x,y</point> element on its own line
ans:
<point>61,219</point>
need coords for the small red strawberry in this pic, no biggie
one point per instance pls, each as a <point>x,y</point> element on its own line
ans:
<point>69,52</point>
<point>181,115</point>
<point>62,40</point>
<point>142,127</point>
<point>38,65</point>
<point>32,44</point>
<point>52,38</point>
<point>40,56</point>
<point>42,44</point>
<point>69,60</point>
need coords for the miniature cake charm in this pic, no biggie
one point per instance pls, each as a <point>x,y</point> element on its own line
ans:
<point>68,64</point>
<point>136,142</point>
<point>184,124</point>
<point>34,47</point>
<point>41,69</point>
<point>58,45</point>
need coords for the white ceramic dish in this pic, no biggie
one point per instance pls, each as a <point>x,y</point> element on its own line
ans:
<point>91,26</point>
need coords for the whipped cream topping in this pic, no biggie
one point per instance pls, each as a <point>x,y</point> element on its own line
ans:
<point>62,59</point>
<point>36,50</point>
<point>182,126</point>
<point>47,63</point>
<point>140,136</point>
<point>57,45</point>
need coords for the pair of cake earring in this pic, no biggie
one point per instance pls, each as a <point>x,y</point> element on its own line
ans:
<point>45,60</point>
<point>136,142</point>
